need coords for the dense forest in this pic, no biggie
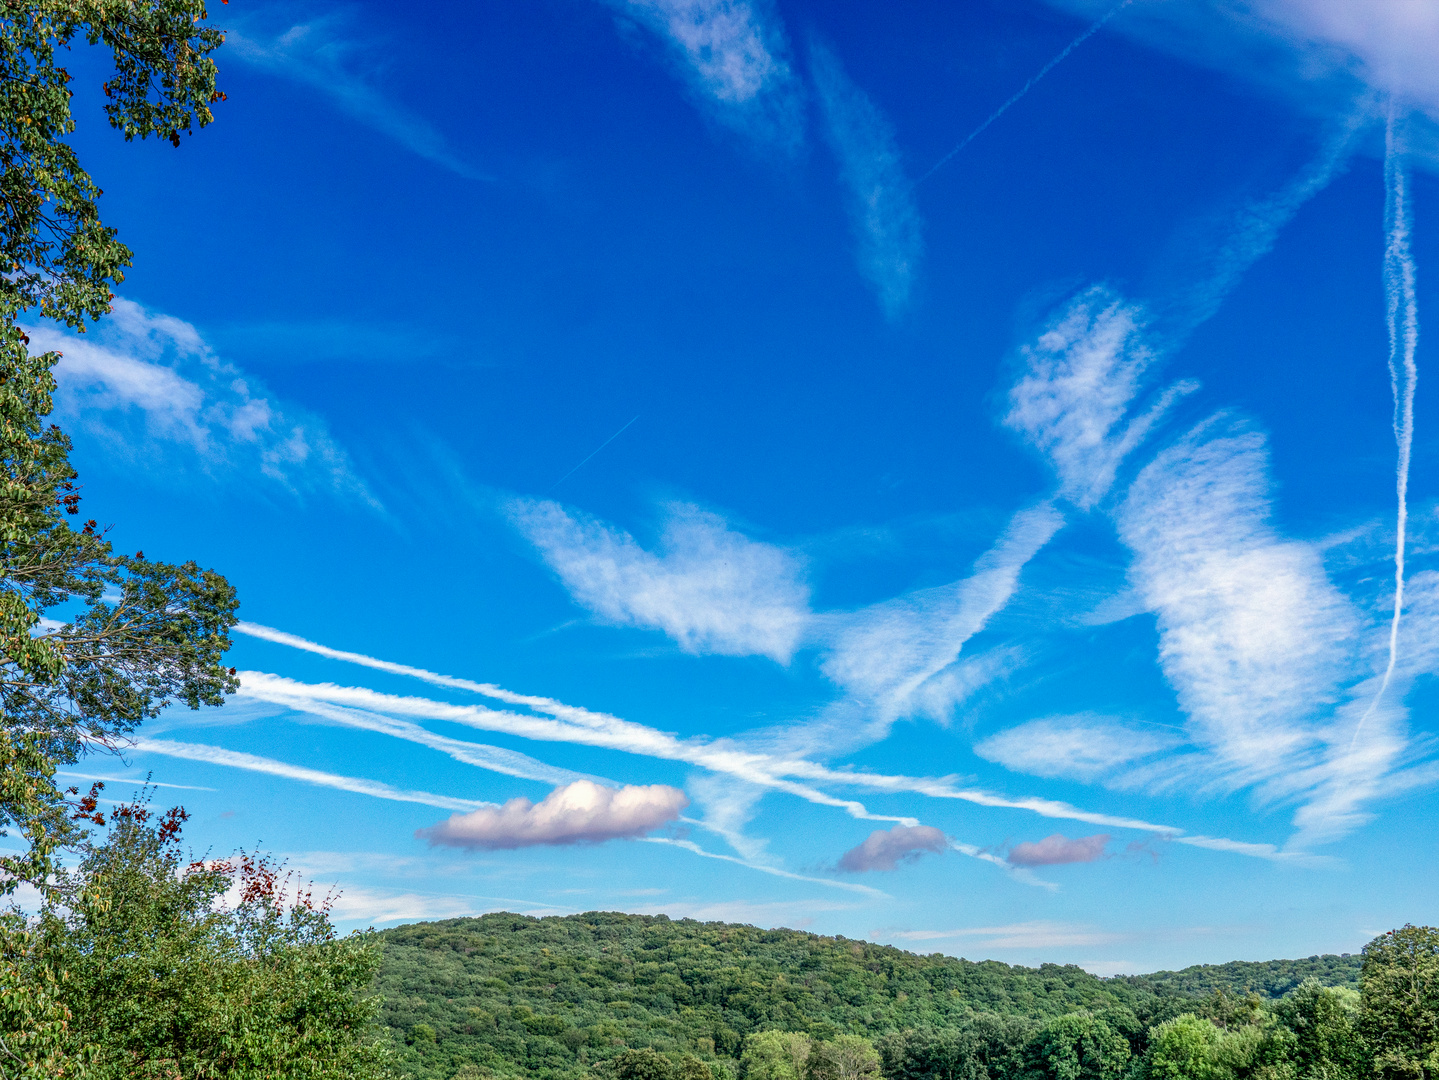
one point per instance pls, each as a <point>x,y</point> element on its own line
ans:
<point>507,995</point>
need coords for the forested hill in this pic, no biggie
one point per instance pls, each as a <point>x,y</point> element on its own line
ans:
<point>1267,978</point>
<point>510,995</point>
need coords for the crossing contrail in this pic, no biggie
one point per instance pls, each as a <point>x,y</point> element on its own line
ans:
<point>1402,315</point>
<point>1076,43</point>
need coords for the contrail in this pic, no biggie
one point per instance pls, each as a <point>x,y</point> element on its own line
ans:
<point>1076,43</point>
<point>582,464</point>
<point>1402,315</point>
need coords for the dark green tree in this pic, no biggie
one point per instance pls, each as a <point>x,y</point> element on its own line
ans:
<point>1399,1003</point>
<point>642,1064</point>
<point>1077,1046</point>
<point>1327,1042</point>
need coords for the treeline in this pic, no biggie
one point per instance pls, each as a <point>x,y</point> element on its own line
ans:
<point>557,998</point>
<point>1267,978</point>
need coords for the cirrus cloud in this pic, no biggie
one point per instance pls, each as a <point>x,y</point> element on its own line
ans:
<point>578,813</point>
<point>711,589</point>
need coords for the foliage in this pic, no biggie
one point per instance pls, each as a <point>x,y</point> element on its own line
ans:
<point>845,1057</point>
<point>139,634</point>
<point>551,997</point>
<point>165,978</point>
<point>1267,978</point>
<point>1399,984</point>
<point>1077,1046</point>
<point>561,998</point>
<point>1327,1042</point>
<point>776,1055</point>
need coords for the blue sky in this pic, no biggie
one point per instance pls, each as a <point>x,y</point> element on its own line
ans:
<point>669,465</point>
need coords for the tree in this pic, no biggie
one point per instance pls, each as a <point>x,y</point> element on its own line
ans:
<point>642,1064</point>
<point>165,978</point>
<point>775,1055</point>
<point>1399,1003</point>
<point>1077,1046</point>
<point>1327,1041</point>
<point>140,634</point>
<point>1184,1048</point>
<point>845,1057</point>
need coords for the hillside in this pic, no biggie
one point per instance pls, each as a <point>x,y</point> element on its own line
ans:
<point>1267,978</point>
<point>546,998</point>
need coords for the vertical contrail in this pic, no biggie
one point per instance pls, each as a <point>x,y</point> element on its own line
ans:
<point>1076,43</point>
<point>1402,316</point>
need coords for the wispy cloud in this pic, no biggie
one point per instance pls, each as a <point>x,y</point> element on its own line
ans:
<point>1058,849</point>
<point>1265,654</point>
<point>886,222</point>
<point>1250,232</point>
<point>492,758</point>
<point>1079,380</point>
<point>792,775</point>
<point>150,388</point>
<point>234,759</point>
<point>898,658</point>
<point>579,813</point>
<point>734,54</point>
<point>1028,85</point>
<point>886,849</point>
<point>711,589</point>
<point>1083,746</point>
<point>318,54</point>
<point>1254,638</point>
<point>774,871</point>
<point>1402,318</point>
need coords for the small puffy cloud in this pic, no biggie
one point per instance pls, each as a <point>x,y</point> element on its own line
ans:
<point>151,389</point>
<point>711,589</point>
<point>580,813</point>
<point>1057,849</point>
<point>881,198</point>
<point>733,53</point>
<point>883,850</point>
<point>1079,747</point>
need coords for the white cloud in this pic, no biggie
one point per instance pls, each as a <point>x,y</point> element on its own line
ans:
<point>315,53</point>
<point>733,53</point>
<point>885,850</point>
<point>1059,849</point>
<point>774,871</point>
<point>570,724</point>
<point>1254,638</point>
<point>898,658</point>
<point>215,755</point>
<point>149,387</point>
<point>581,812</point>
<point>1083,746</point>
<point>729,804</point>
<point>711,589</point>
<point>1324,55</point>
<point>492,758</point>
<point>1079,379</point>
<point>886,222</point>
<point>554,721</point>
<point>1391,45</point>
